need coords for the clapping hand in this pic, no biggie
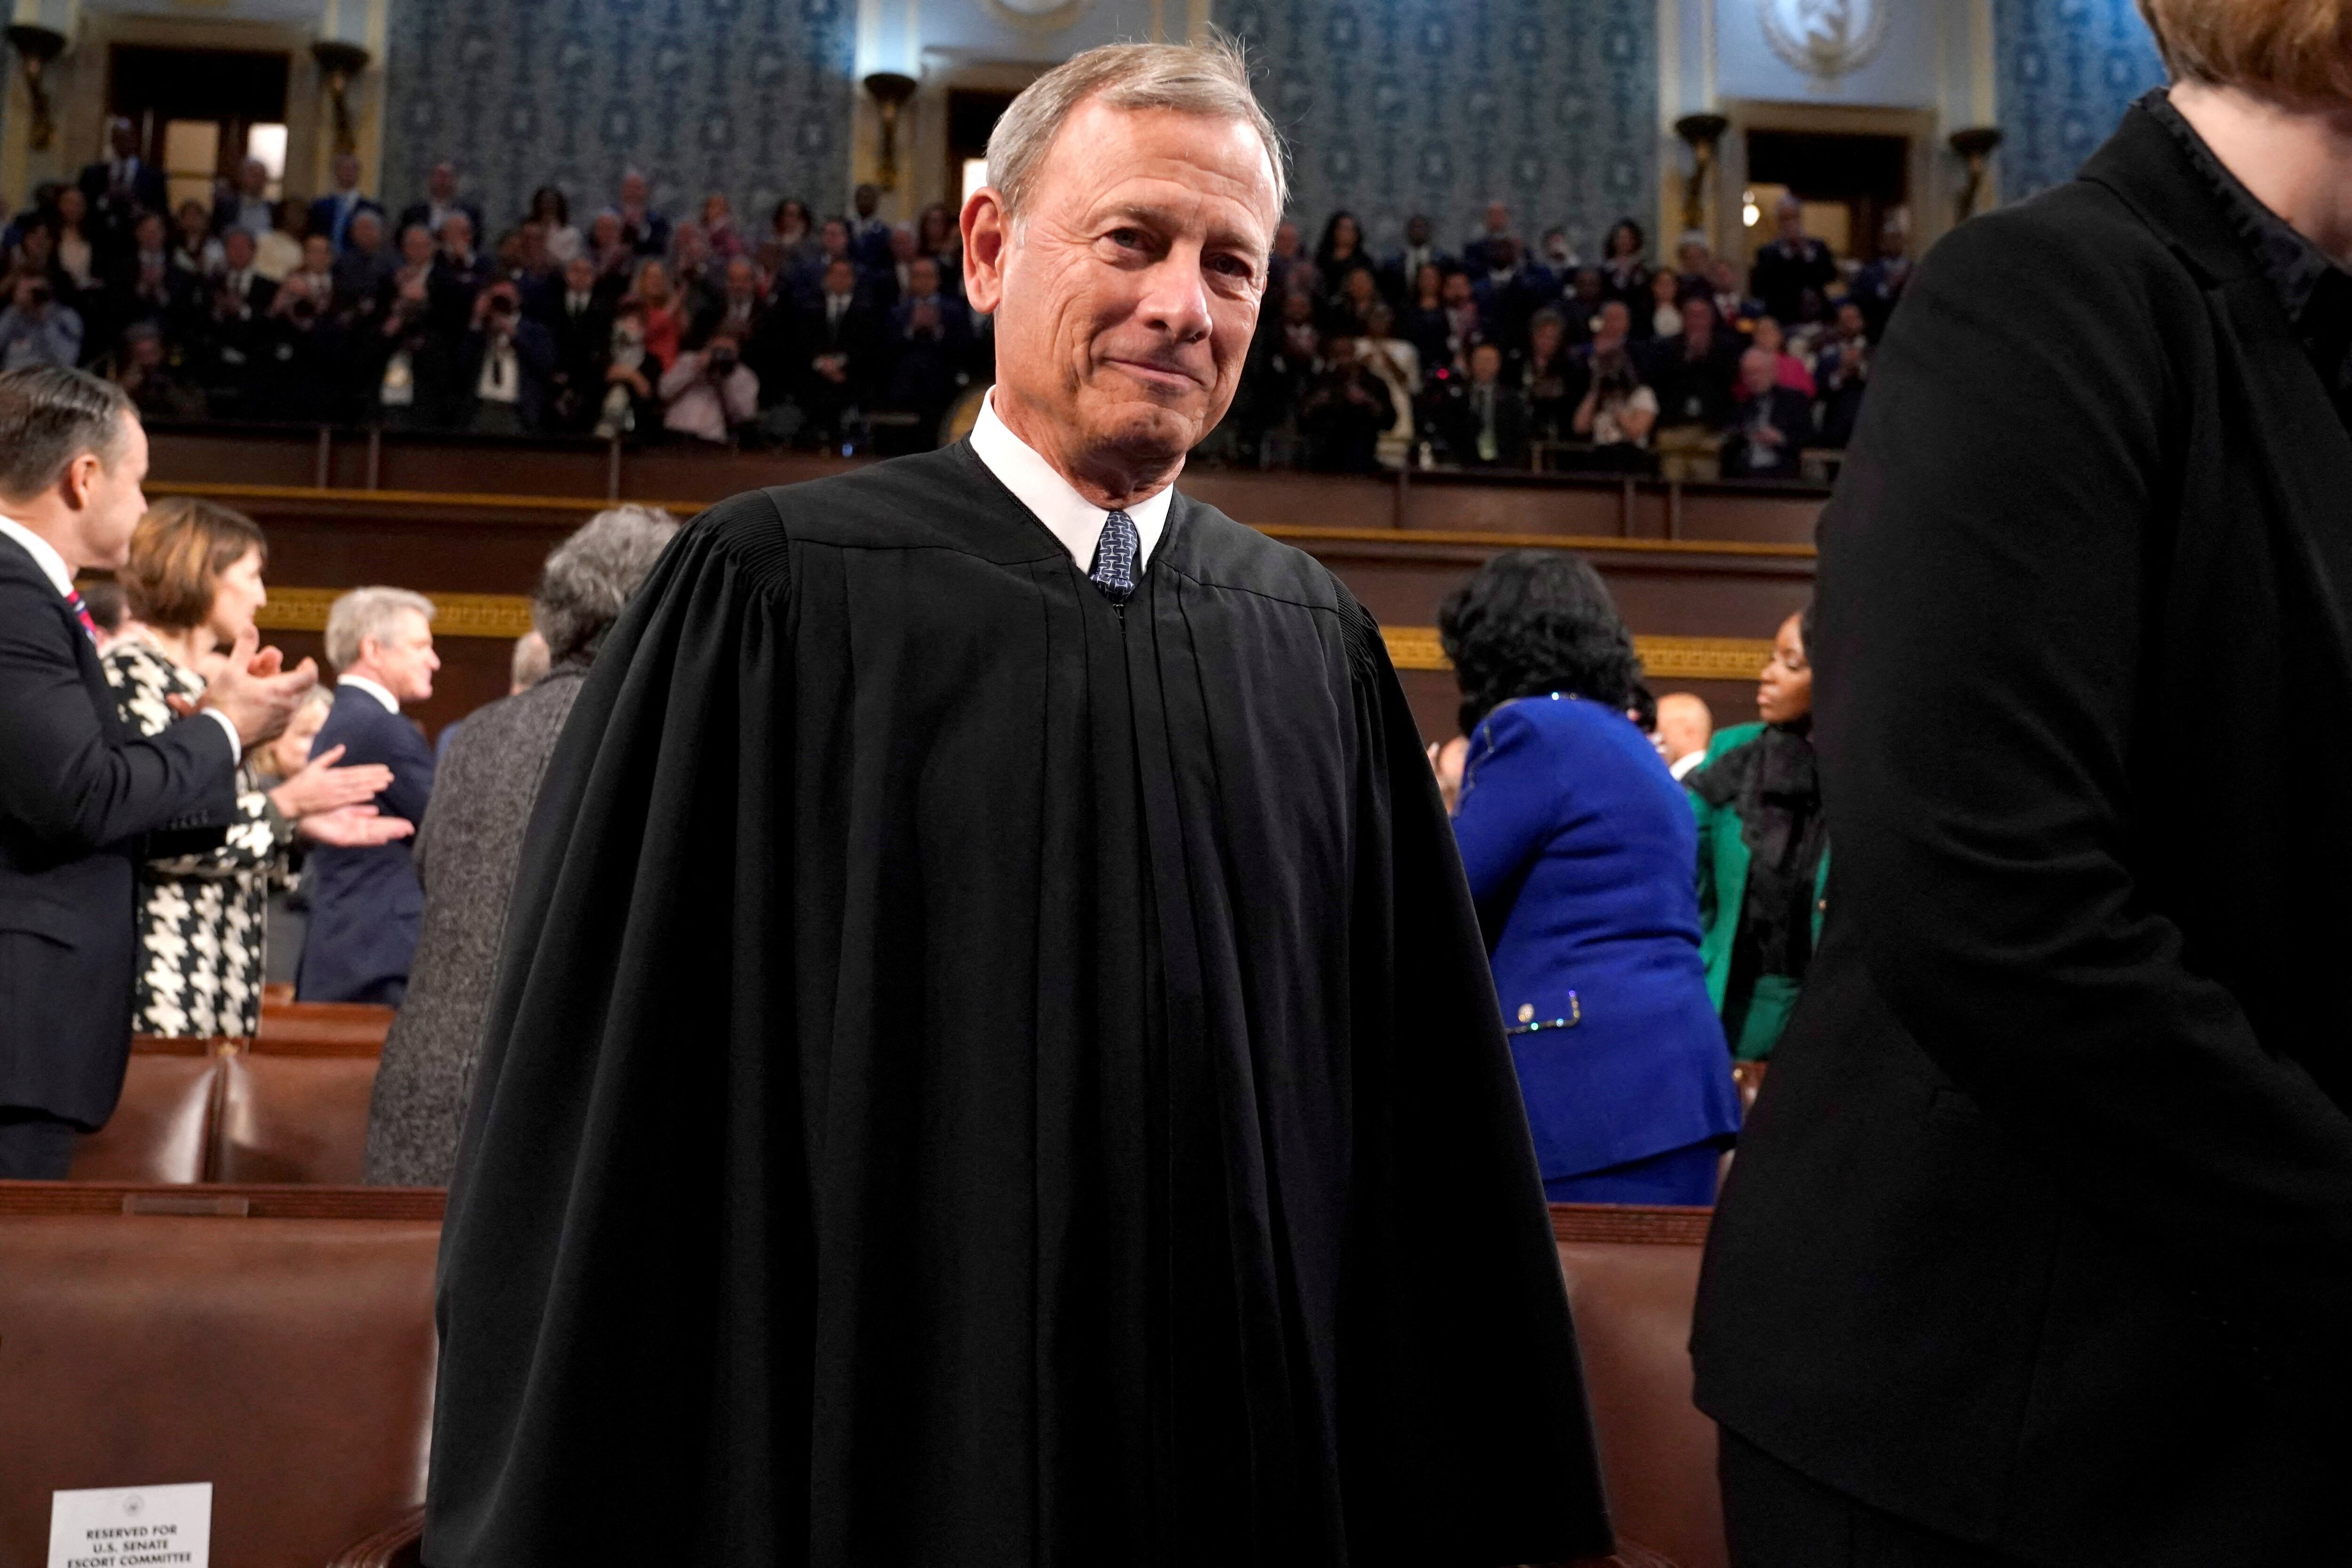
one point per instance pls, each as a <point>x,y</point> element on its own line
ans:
<point>321,786</point>
<point>354,827</point>
<point>254,690</point>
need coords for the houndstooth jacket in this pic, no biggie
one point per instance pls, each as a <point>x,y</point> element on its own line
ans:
<point>201,917</point>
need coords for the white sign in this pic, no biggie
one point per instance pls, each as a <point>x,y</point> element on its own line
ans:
<point>132,1527</point>
<point>1825,38</point>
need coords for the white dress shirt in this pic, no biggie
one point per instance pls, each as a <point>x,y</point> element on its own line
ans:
<point>1684,766</point>
<point>60,576</point>
<point>1068,516</point>
<point>391,703</point>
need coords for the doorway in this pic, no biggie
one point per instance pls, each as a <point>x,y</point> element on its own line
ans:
<point>199,113</point>
<point>1850,183</point>
<point>973,114</point>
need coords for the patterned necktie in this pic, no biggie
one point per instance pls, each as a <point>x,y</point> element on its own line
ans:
<point>81,614</point>
<point>1114,568</point>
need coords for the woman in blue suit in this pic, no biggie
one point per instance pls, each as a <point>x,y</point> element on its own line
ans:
<point>1579,846</point>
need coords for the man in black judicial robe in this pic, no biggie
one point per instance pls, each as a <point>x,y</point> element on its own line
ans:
<point>994,1062</point>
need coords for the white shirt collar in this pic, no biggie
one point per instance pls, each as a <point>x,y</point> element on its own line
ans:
<point>1068,516</point>
<point>45,555</point>
<point>391,703</point>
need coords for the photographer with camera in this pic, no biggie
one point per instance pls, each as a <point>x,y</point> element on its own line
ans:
<point>505,361</point>
<point>37,327</point>
<point>710,391</point>
<point>1618,410</point>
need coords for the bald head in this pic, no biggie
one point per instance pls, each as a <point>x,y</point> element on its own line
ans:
<point>1685,725</point>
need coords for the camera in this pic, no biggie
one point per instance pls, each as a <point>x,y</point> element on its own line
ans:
<point>502,305</point>
<point>722,358</point>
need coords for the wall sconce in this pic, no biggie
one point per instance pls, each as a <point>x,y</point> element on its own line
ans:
<point>1701,131</point>
<point>1974,146</point>
<point>36,47</point>
<point>340,65</point>
<point>891,92</point>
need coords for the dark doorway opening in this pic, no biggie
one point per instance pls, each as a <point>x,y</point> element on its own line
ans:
<point>1869,176</point>
<point>201,112</point>
<point>973,114</point>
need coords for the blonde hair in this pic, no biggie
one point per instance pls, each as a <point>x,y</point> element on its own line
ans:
<point>2296,49</point>
<point>1210,79</point>
<point>365,613</point>
<point>178,553</point>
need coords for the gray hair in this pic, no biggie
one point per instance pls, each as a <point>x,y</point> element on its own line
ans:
<point>589,577</point>
<point>49,417</point>
<point>1210,77</point>
<point>366,613</point>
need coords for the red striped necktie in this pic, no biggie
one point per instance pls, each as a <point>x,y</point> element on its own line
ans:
<point>81,613</point>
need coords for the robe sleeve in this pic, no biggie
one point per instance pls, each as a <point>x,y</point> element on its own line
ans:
<point>624,1252</point>
<point>1465,1364</point>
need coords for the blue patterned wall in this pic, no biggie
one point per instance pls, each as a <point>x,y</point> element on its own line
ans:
<point>750,97</point>
<point>1394,107</point>
<point>2066,69</point>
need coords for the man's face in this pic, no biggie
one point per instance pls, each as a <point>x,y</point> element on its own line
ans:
<point>1126,294</point>
<point>742,280</point>
<point>457,234</point>
<point>402,661</point>
<point>1416,231</point>
<point>1457,288</point>
<point>1850,321</point>
<point>836,237</point>
<point>1790,216</point>
<point>109,500</point>
<point>923,278</point>
<point>1485,363</point>
<point>866,199</point>
<point>1615,322</point>
<point>122,138</point>
<point>443,181</point>
<point>1699,321</point>
<point>347,172</point>
<point>840,278</point>
<point>580,275</point>
<point>316,253</point>
<point>239,249</point>
<point>366,233</point>
<point>1757,371</point>
<point>416,246</point>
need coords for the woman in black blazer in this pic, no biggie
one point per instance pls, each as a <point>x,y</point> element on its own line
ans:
<point>2039,1245</point>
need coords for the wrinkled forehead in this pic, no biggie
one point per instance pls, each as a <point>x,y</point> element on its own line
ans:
<point>1201,170</point>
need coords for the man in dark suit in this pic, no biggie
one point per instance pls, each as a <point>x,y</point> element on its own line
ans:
<point>1484,420</point>
<point>577,313</point>
<point>1789,263</point>
<point>929,346</point>
<point>869,236</point>
<point>120,186</point>
<point>1420,250</point>
<point>81,801</point>
<point>1772,426</point>
<point>1692,370</point>
<point>1484,251</point>
<point>834,361</point>
<point>366,901</point>
<point>234,329</point>
<point>441,199</point>
<point>332,215</point>
<point>2039,1245</point>
<point>504,365</point>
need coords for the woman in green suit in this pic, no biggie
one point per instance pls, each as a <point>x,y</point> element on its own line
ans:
<point>1763,852</point>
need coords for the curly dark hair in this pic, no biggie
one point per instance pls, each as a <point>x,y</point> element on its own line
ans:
<point>1533,621</point>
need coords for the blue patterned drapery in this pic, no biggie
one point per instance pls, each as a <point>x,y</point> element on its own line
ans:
<point>2066,69</point>
<point>748,97</point>
<point>1394,107</point>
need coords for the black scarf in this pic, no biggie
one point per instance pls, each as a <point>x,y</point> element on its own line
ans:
<point>1773,785</point>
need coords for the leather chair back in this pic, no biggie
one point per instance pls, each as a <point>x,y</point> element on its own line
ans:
<point>293,1119</point>
<point>1633,1281</point>
<point>323,1028</point>
<point>162,1128</point>
<point>287,1361</point>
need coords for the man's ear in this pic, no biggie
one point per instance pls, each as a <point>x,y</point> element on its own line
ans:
<point>79,475</point>
<point>987,246</point>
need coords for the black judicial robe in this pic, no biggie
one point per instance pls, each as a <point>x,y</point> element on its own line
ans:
<point>978,1076</point>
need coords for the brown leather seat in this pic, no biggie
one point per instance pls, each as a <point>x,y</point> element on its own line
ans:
<point>323,1028</point>
<point>287,1361</point>
<point>162,1129</point>
<point>293,1119</point>
<point>1633,1277</point>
